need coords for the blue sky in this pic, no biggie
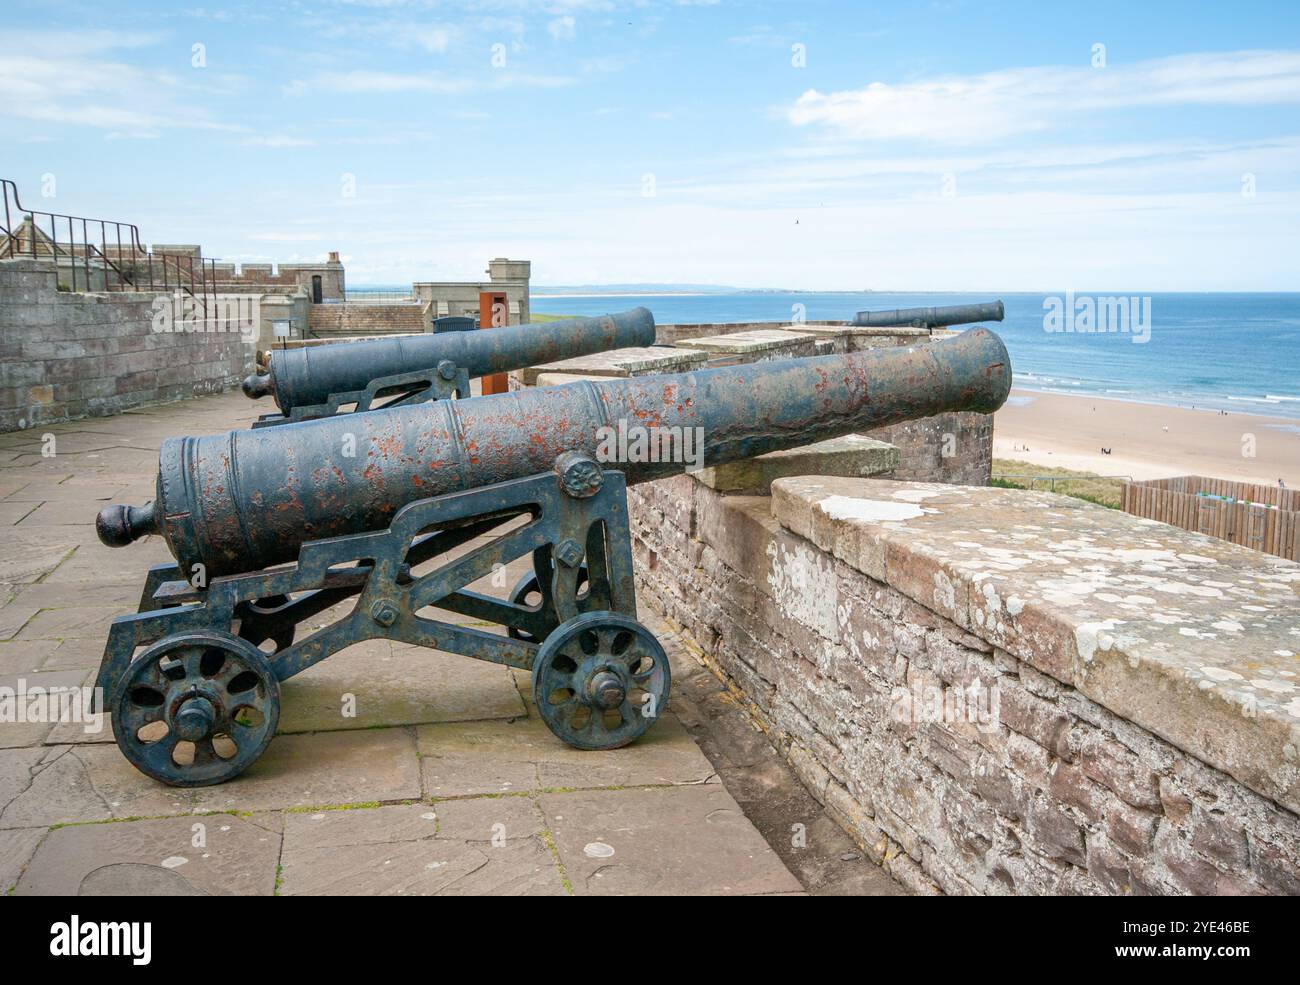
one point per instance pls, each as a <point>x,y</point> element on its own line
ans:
<point>904,146</point>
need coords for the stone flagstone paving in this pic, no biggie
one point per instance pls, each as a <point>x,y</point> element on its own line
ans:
<point>443,782</point>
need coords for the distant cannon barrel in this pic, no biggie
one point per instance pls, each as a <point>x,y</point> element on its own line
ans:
<point>952,314</point>
<point>310,375</point>
<point>245,500</point>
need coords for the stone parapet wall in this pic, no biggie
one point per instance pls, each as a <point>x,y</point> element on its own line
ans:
<point>1139,743</point>
<point>67,355</point>
<point>954,448</point>
<point>672,334</point>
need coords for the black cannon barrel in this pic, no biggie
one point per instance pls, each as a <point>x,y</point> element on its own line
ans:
<point>246,500</point>
<point>310,375</point>
<point>951,314</point>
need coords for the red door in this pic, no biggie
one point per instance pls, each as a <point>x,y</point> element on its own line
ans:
<point>493,313</point>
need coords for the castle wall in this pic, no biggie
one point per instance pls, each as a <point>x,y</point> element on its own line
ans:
<point>67,355</point>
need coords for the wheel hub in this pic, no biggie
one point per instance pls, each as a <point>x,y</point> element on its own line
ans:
<point>605,689</point>
<point>194,719</point>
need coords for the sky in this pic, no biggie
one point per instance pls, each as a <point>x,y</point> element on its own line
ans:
<point>963,146</point>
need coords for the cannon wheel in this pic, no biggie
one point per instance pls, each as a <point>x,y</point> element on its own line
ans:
<point>196,708</point>
<point>600,680</point>
<point>529,593</point>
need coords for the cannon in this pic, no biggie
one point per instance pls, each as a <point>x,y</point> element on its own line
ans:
<point>952,314</point>
<point>405,509</point>
<point>343,377</point>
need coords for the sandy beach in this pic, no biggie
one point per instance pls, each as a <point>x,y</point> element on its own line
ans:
<point>1147,441</point>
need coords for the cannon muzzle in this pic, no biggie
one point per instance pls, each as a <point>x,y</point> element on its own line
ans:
<point>952,314</point>
<point>257,385</point>
<point>310,375</point>
<point>246,500</point>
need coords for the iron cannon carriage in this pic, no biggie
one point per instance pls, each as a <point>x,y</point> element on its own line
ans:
<point>346,377</point>
<point>276,527</point>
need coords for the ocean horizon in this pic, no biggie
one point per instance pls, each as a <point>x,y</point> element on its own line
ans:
<point>1238,352</point>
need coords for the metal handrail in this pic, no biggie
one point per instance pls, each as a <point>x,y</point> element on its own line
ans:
<point>200,284</point>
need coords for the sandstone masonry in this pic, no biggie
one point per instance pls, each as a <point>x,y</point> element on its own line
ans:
<point>65,356</point>
<point>1124,756</point>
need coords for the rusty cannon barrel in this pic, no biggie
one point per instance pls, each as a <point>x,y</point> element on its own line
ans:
<point>952,314</point>
<point>308,376</point>
<point>245,500</point>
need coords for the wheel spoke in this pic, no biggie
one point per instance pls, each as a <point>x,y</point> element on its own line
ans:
<point>133,723</point>
<point>229,670</point>
<point>160,752</point>
<point>154,675</point>
<point>204,753</point>
<point>190,660</point>
<point>607,638</point>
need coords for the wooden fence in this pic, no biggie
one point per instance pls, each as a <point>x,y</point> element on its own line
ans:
<point>1265,518</point>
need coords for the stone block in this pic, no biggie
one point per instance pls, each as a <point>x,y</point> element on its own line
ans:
<point>636,361</point>
<point>759,345</point>
<point>629,842</point>
<point>491,846</point>
<point>1056,833</point>
<point>522,756</point>
<point>323,768</point>
<point>851,455</point>
<point>236,856</point>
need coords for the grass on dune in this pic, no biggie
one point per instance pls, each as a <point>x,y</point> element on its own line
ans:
<point>1011,474</point>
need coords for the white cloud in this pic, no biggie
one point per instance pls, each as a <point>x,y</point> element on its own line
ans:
<point>66,86</point>
<point>606,63</point>
<point>995,105</point>
<point>79,42</point>
<point>433,39</point>
<point>562,28</point>
<point>364,81</point>
<point>763,34</point>
<point>403,33</point>
<point>278,140</point>
<point>361,81</point>
<point>286,237</point>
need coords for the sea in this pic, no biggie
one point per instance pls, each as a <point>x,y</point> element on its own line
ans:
<point>1233,352</point>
